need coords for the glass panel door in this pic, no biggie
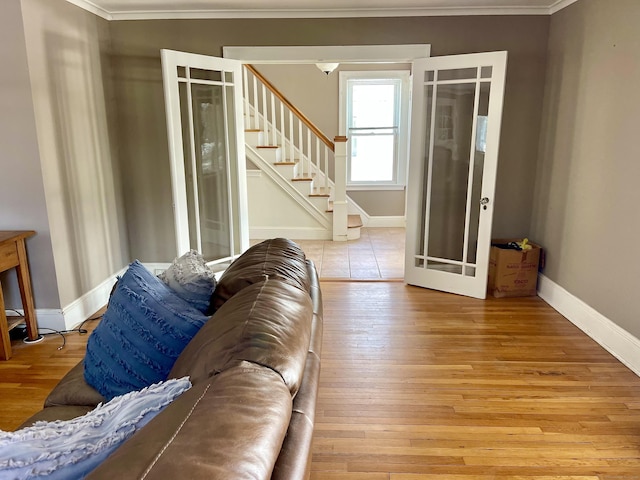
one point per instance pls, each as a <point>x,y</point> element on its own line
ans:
<point>207,154</point>
<point>457,104</point>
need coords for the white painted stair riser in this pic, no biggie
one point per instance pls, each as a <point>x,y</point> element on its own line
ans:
<point>271,155</point>
<point>288,171</point>
<point>253,138</point>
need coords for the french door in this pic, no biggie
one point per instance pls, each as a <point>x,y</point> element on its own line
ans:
<point>203,99</point>
<point>455,125</point>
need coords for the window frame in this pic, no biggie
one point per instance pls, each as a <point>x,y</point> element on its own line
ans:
<point>403,99</point>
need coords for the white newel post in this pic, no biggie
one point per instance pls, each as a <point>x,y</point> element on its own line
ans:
<point>340,212</point>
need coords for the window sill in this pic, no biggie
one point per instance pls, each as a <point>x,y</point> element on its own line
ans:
<point>373,187</point>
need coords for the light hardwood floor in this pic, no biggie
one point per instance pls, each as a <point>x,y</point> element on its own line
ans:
<point>32,372</point>
<point>417,384</point>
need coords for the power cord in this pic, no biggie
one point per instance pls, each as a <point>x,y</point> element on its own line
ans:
<point>52,331</point>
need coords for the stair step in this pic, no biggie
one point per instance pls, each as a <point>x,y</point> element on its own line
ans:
<point>288,164</point>
<point>249,130</point>
<point>354,221</point>
<point>253,137</point>
<point>320,192</point>
<point>271,153</point>
<point>303,178</point>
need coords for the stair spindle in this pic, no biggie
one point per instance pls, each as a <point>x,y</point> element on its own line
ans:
<point>282,136</point>
<point>245,91</point>
<point>274,133</point>
<point>291,146</point>
<point>316,160</point>
<point>255,103</point>
<point>264,114</point>
<point>326,167</point>
<point>309,153</point>
<point>301,147</point>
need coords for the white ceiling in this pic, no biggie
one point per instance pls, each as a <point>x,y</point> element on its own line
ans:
<point>149,9</point>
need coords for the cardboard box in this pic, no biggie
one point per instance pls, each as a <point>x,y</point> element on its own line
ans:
<point>513,273</point>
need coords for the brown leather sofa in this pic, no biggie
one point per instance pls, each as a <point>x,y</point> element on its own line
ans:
<point>254,367</point>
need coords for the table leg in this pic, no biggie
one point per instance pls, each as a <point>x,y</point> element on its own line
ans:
<point>5,339</point>
<point>24,282</point>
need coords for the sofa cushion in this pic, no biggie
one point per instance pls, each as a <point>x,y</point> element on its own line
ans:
<point>268,323</point>
<point>73,389</point>
<point>229,427</point>
<point>72,448</point>
<point>191,278</point>
<point>276,258</point>
<point>145,328</point>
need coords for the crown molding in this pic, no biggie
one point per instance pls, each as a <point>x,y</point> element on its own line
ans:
<point>559,5</point>
<point>315,13</point>
<point>324,13</point>
<point>91,7</point>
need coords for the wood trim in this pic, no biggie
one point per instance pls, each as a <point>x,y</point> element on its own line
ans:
<point>340,138</point>
<point>291,107</point>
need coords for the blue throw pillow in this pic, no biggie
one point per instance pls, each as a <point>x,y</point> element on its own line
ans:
<point>73,448</point>
<point>142,333</point>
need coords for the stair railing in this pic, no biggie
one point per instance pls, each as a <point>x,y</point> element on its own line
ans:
<point>282,124</point>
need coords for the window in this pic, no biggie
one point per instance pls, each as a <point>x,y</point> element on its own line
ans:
<point>374,116</point>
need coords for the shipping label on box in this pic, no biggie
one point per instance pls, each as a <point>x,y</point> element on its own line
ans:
<point>513,273</point>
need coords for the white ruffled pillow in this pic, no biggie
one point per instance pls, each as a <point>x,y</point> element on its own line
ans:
<point>191,279</point>
<point>73,448</point>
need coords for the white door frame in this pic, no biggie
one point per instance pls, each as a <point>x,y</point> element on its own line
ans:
<point>328,53</point>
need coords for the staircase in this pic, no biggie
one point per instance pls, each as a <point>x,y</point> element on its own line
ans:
<point>288,148</point>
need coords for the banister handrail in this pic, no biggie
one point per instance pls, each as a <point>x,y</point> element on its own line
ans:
<point>292,107</point>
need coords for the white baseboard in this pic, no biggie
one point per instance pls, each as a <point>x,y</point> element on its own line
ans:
<point>77,311</point>
<point>264,233</point>
<point>82,308</point>
<point>48,318</point>
<point>386,222</point>
<point>617,341</point>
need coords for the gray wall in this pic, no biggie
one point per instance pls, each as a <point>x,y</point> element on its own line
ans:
<point>22,199</point>
<point>142,132</point>
<point>69,74</point>
<point>586,197</point>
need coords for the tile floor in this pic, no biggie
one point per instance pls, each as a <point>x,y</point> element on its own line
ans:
<point>377,255</point>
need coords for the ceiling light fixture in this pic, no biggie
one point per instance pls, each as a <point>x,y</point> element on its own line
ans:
<point>327,68</point>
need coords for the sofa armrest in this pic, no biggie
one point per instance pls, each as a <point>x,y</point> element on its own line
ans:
<point>229,427</point>
<point>294,462</point>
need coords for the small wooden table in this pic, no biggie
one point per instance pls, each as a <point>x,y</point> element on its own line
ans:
<point>13,254</point>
